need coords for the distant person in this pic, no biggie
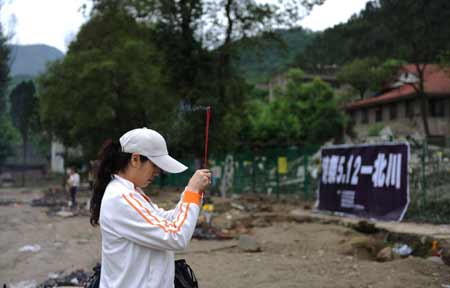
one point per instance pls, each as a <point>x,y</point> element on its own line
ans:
<point>73,183</point>
<point>138,237</point>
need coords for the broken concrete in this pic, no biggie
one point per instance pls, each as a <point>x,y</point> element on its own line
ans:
<point>247,243</point>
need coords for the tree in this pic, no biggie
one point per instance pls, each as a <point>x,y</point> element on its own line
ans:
<point>4,70</point>
<point>196,37</point>
<point>359,74</point>
<point>134,59</point>
<point>109,82</point>
<point>24,108</point>
<point>7,138</point>
<point>364,35</point>
<point>414,31</point>
<point>419,30</point>
<point>305,114</point>
<point>369,73</point>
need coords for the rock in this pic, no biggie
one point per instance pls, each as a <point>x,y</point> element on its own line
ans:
<point>238,206</point>
<point>65,214</point>
<point>248,243</point>
<point>436,260</point>
<point>361,247</point>
<point>260,222</point>
<point>30,248</point>
<point>385,255</point>
<point>445,254</point>
<point>362,242</point>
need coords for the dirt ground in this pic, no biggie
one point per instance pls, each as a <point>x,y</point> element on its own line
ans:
<point>293,254</point>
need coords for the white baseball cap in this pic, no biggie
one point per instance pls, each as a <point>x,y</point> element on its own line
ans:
<point>151,144</point>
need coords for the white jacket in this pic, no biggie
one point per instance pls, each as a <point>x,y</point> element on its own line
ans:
<point>138,237</point>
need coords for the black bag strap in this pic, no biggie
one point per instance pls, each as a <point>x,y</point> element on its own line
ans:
<point>94,280</point>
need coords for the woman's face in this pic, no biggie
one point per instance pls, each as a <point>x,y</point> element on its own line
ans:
<point>145,173</point>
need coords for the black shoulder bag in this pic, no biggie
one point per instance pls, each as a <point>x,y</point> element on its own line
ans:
<point>184,276</point>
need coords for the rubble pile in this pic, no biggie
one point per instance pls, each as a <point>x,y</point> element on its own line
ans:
<point>77,278</point>
<point>222,219</point>
<point>53,196</point>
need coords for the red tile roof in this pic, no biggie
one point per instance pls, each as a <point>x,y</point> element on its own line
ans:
<point>437,82</point>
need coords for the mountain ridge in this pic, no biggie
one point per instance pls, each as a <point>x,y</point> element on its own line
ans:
<point>31,60</point>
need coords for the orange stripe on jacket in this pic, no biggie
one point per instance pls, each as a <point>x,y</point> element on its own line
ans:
<point>165,229</point>
<point>165,221</point>
<point>185,216</point>
<point>140,213</point>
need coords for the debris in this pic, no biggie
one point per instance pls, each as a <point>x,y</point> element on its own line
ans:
<point>30,248</point>
<point>445,255</point>
<point>207,212</point>
<point>7,202</point>
<point>53,196</point>
<point>248,243</point>
<point>75,279</point>
<point>385,254</point>
<point>6,180</point>
<point>53,275</point>
<point>435,248</point>
<point>65,214</point>
<point>402,250</point>
<point>238,206</point>
<point>207,232</point>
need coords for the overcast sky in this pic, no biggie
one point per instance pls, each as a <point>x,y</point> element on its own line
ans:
<point>56,22</point>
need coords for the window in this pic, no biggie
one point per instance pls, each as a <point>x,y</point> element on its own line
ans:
<point>364,116</point>
<point>378,114</point>
<point>393,111</point>
<point>409,108</point>
<point>437,107</point>
<point>353,116</point>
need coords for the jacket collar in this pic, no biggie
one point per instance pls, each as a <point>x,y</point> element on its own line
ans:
<point>127,183</point>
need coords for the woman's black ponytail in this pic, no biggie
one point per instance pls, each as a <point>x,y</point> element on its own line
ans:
<point>112,160</point>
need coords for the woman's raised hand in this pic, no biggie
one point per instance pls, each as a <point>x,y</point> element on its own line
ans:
<point>200,180</point>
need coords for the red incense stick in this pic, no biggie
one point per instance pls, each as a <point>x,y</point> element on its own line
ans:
<point>208,116</point>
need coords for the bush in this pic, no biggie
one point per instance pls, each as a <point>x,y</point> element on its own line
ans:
<point>375,129</point>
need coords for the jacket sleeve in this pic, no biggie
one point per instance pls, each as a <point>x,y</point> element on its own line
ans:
<point>170,214</point>
<point>137,220</point>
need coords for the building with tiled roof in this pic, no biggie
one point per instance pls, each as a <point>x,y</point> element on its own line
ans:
<point>399,106</point>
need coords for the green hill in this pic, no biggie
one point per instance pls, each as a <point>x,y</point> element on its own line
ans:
<point>258,63</point>
<point>31,60</point>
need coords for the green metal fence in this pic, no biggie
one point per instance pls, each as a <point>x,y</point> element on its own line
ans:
<point>296,172</point>
<point>274,172</point>
<point>429,182</point>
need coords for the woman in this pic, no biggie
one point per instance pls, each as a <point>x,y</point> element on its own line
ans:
<point>138,237</point>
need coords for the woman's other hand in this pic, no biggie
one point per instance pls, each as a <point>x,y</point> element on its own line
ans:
<point>200,180</point>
